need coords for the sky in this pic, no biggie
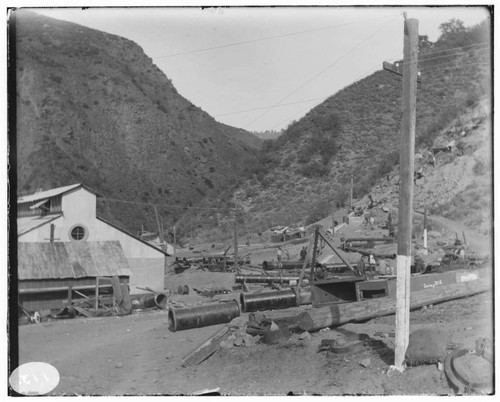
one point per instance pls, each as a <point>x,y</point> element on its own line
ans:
<point>261,68</point>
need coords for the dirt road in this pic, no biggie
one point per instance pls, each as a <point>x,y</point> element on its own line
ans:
<point>138,355</point>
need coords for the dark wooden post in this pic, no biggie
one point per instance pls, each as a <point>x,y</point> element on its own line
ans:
<point>236,240</point>
<point>406,165</point>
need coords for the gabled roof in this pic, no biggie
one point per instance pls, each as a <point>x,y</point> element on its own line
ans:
<point>51,193</point>
<point>131,235</point>
<point>61,260</point>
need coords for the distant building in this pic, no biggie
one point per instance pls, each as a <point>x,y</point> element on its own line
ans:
<point>68,214</point>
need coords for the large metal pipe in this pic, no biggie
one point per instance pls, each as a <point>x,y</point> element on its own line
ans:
<point>273,300</point>
<point>152,300</point>
<point>202,316</point>
<point>366,239</point>
<point>273,265</point>
<point>368,252</point>
<point>240,278</point>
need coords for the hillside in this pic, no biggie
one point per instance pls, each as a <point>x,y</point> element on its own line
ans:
<point>306,173</point>
<point>93,108</point>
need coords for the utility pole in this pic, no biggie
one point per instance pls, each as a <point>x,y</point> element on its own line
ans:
<point>236,240</point>
<point>425,229</point>
<point>175,239</point>
<point>352,186</point>
<point>333,220</point>
<point>160,230</point>
<point>406,166</point>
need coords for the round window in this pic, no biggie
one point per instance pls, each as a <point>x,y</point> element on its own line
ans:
<point>78,232</point>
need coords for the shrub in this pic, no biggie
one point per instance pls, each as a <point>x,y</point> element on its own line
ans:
<point>318,211</point>
<point>314,169</point>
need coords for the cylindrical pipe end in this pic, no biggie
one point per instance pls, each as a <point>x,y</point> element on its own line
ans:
<point>171,320</point>
<point>161,300</point>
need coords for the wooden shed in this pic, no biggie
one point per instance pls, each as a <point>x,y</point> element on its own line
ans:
<point>48,272</point>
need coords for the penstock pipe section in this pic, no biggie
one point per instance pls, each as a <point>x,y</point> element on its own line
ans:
<point>285,265</point>
<point>240,278</point>
<point>274,300</point>
<point>202,316</point>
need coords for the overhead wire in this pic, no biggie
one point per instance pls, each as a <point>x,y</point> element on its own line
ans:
<point>292,117</point>
<point>449,63</point>
<point>451,66</point>
<point>266,38</point>
<point>265,107</point>
<point>171,205</point>
<point>319,73</point>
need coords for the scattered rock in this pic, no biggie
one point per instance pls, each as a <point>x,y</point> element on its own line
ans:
<point>305,336</point>
<point>365,363</point>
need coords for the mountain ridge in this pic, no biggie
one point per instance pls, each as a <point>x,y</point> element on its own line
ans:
<point>93,108</point>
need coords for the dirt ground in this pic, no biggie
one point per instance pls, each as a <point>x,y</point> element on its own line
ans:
<point>138,355</point>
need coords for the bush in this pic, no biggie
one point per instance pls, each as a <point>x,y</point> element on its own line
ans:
<point>319,211</point>
<point>314,169</point>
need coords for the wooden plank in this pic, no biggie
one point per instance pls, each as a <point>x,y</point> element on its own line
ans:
<point>82,311</point>
<point>206,349</point>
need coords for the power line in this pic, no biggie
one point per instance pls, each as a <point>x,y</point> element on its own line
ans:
<point>170,205</point>
<point>447,63</point>
<point>452,65</point>
<point>265,107</point>
<point>319,73</point>
<point>443,56</point>
<point>361,76</point>
<point>266,38</point>
<point>482,45</point>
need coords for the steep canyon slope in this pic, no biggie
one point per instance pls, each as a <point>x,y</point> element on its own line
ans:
<point>306,173</point>
<point>93,108</point>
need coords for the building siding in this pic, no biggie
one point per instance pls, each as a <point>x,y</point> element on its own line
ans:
<point>146,272</point>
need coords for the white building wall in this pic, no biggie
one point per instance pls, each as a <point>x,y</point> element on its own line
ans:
<point>79,208</point>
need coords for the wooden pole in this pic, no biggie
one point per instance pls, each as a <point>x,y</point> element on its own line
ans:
<point>333,221</point>
<point>160,234</point>
<point>425,228</point>
<point>407,155</point>
<point>236,240</point>
<point>96,293</point>
<point>352,187</point>
<point>175,239</point>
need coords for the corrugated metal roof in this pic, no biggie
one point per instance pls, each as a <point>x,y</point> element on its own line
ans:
<point>48,193</point>
<point>60,260</point>
<point>26,224</point>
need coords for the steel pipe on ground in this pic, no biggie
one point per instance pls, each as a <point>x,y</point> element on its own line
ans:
<point>202,316</point>
<point>338,314</point>
<point>157,300</point>
<point>239,278</point>
<point>273,265</point>
<point>369,252</point>
<point>273,300</point>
